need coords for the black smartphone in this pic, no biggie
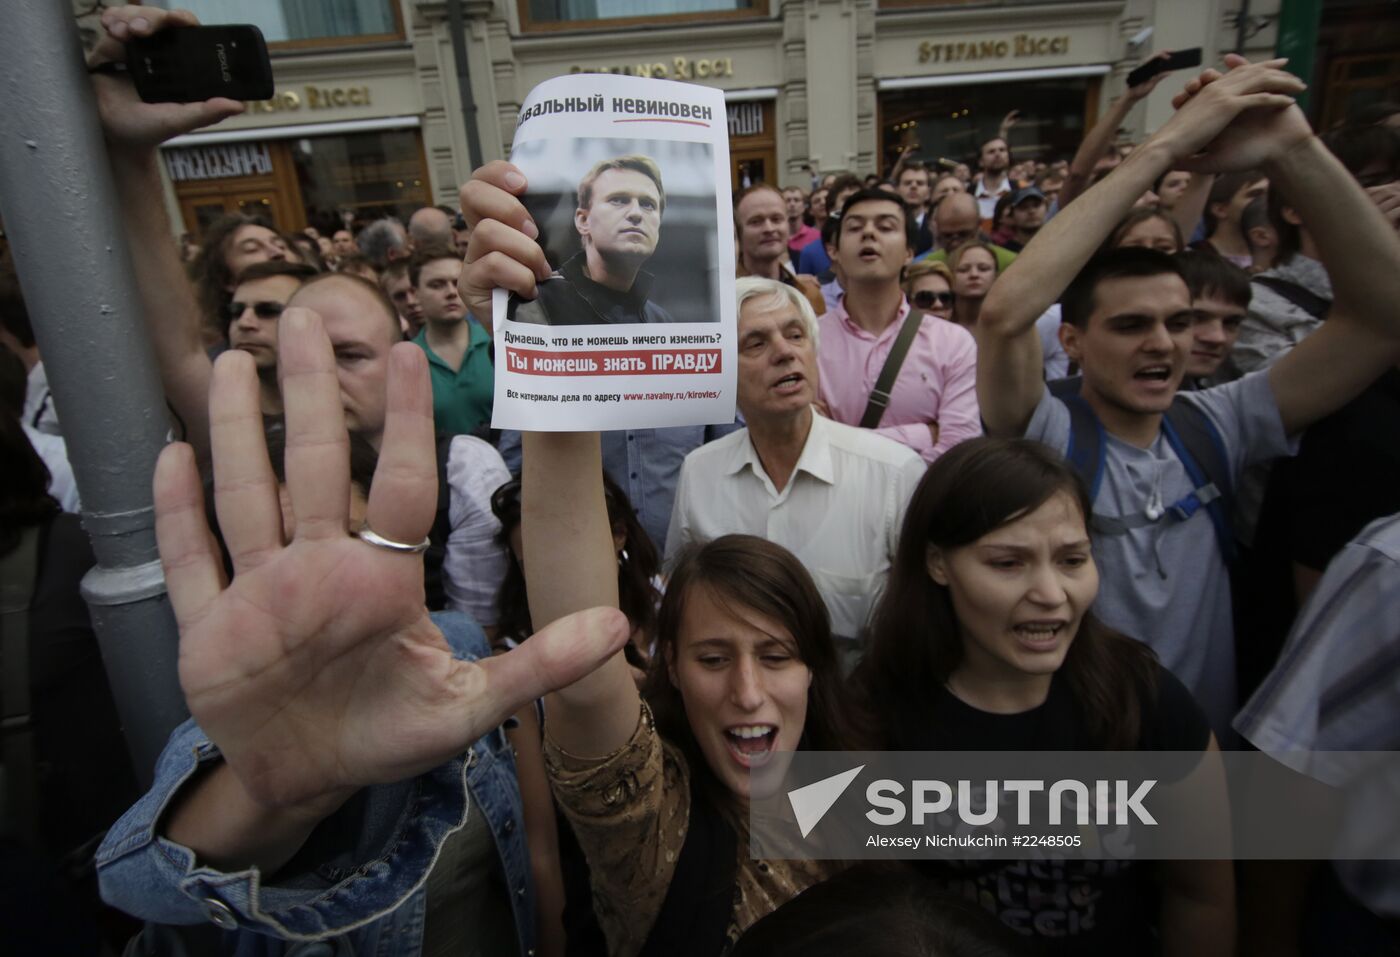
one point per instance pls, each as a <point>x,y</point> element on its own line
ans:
<point>190,64</point>
<point>1177,60</point>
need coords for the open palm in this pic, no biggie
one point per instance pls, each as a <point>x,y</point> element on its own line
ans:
<point>317,670</point>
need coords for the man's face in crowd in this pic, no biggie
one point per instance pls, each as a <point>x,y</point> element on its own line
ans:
<point>818,203</point>
<point>437,291</point>
<point>255,308</point>
<point>361,333</point>
<point>946,187</point>
<point>1213,333</point>
<point>401,293</point>
<point>1029,214</point>
<point>995,157</point>
<point>1173,185</point>
<point>871,244</point>
<point>795,202</point>
<point>254,244</point>
<point>343,243</point>
<point>1051,186</point>
<point>958,221</point>
<point>763,225</point>
<point>913,186</point>
<point>777,359</point>
<point>624,219</point>
<point>1135,346</point>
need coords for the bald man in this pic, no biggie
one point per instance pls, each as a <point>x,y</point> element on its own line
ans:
<point>430,227</point>
<point>958,220</point>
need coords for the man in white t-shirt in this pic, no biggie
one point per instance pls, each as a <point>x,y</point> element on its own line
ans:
<point>832,494</point>
<point>1128,322</point>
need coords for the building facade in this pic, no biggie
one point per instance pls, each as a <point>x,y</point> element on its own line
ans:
<point>380,108</point>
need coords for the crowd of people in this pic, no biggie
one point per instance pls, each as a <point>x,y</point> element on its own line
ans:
<point>1029,454</point>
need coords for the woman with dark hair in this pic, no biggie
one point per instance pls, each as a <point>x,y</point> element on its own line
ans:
<point>226,247</point>
<point>656,786</point>
<point>974,266</point>
<point>1148,227</point>
<point>995,567</point>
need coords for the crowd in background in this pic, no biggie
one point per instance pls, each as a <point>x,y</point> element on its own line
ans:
<point>1031,453</point>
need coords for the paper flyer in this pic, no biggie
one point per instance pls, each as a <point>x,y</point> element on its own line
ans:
<point>635,328</point>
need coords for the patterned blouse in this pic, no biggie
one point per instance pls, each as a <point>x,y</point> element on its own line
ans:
<point>630,811</point>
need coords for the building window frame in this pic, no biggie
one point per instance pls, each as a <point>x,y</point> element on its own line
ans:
<point>310,44</point>
<point>759,11</point>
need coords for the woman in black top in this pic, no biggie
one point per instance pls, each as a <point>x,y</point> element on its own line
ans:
<point>995,568</point>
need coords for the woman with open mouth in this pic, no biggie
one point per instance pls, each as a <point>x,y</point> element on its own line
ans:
<point>656,784</point>
<point>995,569</point>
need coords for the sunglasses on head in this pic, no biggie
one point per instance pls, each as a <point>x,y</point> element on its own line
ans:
<point>925,299</point>
<point>263,310</point>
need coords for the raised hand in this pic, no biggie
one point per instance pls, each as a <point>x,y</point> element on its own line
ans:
<point>503,252</point>
<point>317,670</point>
<point>127,122</point>
<point>1238,119</point>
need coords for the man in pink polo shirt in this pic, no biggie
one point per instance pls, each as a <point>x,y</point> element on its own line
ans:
<point>932,405</point>
<point>799,233</point>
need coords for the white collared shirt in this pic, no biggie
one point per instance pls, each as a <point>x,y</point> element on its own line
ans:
<point>840,513</point>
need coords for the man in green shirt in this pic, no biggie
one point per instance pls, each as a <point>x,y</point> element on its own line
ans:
<point>459,350</point>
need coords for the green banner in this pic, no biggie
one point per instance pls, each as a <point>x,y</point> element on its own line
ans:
<point>1297,39</point>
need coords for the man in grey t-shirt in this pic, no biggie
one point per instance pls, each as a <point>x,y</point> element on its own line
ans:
<point>1128,323</point>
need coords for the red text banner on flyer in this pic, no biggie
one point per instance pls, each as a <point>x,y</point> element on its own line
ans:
<point>628,182</point>
<point>648,362</point>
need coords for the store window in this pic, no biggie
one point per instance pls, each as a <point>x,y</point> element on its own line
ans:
<point>949,123</point>
<point>368,174</point>
<point>565,14</point>
<point>298,22</point>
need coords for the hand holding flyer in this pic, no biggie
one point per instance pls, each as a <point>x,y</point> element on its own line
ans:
<point>635,325</point>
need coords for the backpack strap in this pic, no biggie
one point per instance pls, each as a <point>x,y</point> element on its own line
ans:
<point>699,905</point>
<point>1197,442</point>
<point>1305,299</point>
<point>1087,442</point>
<point>18,571</point>
<point>1192,437</point>
<point>880,395</point>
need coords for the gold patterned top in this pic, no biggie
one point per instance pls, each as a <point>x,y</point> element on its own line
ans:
<point>630,811</point>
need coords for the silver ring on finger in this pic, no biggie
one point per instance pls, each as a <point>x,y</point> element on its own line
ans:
<point>370,537</point>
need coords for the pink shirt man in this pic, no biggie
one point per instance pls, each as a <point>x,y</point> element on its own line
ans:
<point>805,234</point>
<point>936,383</point>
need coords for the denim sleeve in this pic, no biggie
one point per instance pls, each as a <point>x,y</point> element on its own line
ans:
<point>359,864</point>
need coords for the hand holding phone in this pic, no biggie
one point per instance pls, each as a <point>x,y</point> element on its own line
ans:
<point>1177,60</point>
<point>188,64</point>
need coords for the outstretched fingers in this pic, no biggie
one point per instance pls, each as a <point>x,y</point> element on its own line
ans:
<point>553,658</point>
<point>403,497</point>
<point>318,445</point>
<point>194,577</point>
<point>245,488</point>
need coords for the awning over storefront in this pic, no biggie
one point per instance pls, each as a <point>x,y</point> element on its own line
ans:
<point>994,76</point>
<point>292,131</point>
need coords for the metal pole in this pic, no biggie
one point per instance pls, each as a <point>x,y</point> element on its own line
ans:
<point>456,27</point>
<point>61,212</point>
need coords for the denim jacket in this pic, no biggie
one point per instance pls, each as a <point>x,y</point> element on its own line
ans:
<point>357,886</point>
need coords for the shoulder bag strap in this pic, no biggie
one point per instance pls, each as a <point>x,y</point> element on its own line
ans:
<point>1305,299</point>
<point>880,395</point>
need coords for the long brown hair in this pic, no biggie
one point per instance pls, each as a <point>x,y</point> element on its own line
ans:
<point>976,487</point>
<point>753,573</point>
<point>212,277</point>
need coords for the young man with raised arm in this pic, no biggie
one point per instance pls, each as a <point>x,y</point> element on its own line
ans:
<point>1128,323</point>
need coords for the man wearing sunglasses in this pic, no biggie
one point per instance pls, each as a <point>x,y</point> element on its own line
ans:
<point>258,300</point>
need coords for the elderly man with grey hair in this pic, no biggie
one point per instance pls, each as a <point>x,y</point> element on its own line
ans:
<point>832,494</point>
<point>384,241</point>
